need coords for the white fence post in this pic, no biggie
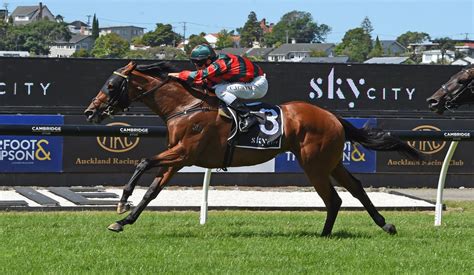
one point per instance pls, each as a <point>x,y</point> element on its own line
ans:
<point>441,181</point>
<point>205,190</point>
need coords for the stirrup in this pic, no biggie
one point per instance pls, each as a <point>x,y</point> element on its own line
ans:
<point>246,123</point>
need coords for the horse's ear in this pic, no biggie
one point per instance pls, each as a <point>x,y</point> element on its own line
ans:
<point>130,67</point>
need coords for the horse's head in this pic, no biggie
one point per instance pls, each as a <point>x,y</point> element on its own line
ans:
<point>457,91</point>
<point>123,87</point>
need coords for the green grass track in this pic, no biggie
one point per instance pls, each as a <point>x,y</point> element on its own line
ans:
<point>237,242</point>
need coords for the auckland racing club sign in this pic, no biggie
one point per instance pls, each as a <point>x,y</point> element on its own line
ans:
<point>31,153</point>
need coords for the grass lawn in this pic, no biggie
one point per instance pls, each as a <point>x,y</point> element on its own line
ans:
<point>240,242</point>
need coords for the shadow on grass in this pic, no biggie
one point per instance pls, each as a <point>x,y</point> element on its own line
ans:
<point>265,234</point>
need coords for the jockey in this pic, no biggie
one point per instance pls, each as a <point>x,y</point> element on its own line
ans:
<point>233,78</point>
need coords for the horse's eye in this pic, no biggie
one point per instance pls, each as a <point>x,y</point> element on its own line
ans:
<point>110,86</point>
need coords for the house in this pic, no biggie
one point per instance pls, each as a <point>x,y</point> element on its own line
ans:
<point>391,47</point>
<point>68,48</point>
<point>295,52</point>
<point>266,28</point>
<point>211,38</point>
<point>434,56</point>
<point>387,60</point>
<point>126,32</point>
<point>419,48</point>
<point>14,53</point>
<point>23,15</point>
<point>465,48</point>
<point>465,61</point>
<point>333,59</point>
<point>257,53</point>
<point>3,15</point>
<point>79,27</point>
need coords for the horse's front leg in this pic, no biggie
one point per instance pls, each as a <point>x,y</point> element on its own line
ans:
<point>163,177</point>
<point>123,206</point>
<point>171,156</point>
<point>170,161</point>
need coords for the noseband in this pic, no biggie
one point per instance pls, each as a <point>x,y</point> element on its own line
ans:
<point>452,97</point>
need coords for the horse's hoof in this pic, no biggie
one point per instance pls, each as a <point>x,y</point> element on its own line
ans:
<point>123,207</point>
<point>116,227</point>
<point>390,228</point>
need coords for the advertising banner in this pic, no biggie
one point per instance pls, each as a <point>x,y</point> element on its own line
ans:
<point>357,87</point>
<point>69,84</point>
<point>355,158</point>
<point>28,154</point>
<point>433,152</point>
<point>111,154</point>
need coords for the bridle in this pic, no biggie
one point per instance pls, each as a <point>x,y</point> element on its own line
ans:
<point>452,97</point>
<point>121,99</point>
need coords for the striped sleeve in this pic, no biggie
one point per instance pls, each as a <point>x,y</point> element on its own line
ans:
<point>217,68</point>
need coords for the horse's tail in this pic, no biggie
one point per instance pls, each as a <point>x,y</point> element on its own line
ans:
<point>378,140</point>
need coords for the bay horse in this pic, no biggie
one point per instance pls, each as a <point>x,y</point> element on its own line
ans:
<point>197,135</point>
<point>459,90</point>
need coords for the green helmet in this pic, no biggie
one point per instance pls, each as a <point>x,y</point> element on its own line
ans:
<point>201,52</point>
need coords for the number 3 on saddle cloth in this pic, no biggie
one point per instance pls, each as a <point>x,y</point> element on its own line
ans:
<point>267,134</point>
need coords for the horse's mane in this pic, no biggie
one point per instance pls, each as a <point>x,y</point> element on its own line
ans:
<point>160,69</point>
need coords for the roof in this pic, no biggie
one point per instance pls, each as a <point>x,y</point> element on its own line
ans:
<point>236,51</point>
<point>464,61</point>
<point>334,59</point>
<point>78,24</point>
<point>301,47</point>
<point>259,51</point>
<point>120,27</point>
<point>75,38</point>
<point>387,60</point>
<point>25,10</point>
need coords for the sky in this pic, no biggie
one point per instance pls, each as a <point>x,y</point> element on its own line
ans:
<point>390,18</point>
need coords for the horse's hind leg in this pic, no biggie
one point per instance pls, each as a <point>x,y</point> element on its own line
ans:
<point>322,184</point>
<point>354,186</point>
<point>164,175</point>
<point>123,206</point>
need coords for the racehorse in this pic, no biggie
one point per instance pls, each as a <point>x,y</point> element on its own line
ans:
<point>459,90</point>
<point>197,135</point>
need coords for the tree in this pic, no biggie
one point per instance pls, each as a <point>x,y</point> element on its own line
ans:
<point>81,53</point>
<point>162,35</point>
<point>95,27</point>
<point>297,25</point>
<point>251,31</point>
<point>316,53</point>
<point>110,46</point>
<point>356,44</point>
<point>35,37</point>
<point>413,37</point>
<point>193,41</point>
<point>377,50</point>
<point>163,52</point>
<point>224,40</point>
<point>367,25</point>
<point>445,44</point>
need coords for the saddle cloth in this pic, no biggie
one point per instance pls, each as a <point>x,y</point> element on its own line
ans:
<point>267,134</point>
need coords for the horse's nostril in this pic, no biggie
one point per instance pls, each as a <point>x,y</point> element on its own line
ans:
<point>89,113</point>
<point>432,101</point>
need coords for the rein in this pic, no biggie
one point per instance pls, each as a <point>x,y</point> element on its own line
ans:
<point>193,109</point>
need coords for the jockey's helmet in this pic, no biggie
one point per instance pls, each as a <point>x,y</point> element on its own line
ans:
<point>203,52</point>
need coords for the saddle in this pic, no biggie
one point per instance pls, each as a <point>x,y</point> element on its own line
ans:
<point>267,134</point>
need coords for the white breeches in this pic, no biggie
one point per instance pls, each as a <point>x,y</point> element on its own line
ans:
<point>228,92</point>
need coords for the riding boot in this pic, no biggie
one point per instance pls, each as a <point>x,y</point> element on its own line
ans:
<point>247,118</point>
